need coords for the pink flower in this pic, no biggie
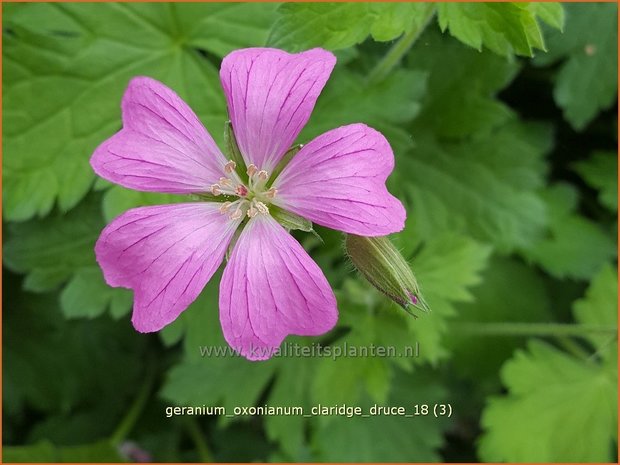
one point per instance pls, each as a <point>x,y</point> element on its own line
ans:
<point>270,287</point>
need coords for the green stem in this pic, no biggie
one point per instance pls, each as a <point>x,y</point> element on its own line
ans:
<point>400,48</point>
<point>131,417</point>
<point>197,436</point>
<point>532,329</point>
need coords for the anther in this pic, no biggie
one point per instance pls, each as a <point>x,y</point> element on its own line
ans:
<point>226,182</point>
<point>215,189</point>
<point>252,169</point>
<point>230,166</point>
<point>225,207</point>
<point>236,214</point>
<point>263,175</point>
<point>261,207</point>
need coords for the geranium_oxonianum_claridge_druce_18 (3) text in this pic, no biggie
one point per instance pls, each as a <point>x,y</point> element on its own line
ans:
<point>270,286</point>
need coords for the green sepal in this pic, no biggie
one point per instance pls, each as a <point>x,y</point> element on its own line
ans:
<point>385,268</point>
<point>290,153</point>
<point>208,197</point>
<point>291,221</point>
<point>232,150</point>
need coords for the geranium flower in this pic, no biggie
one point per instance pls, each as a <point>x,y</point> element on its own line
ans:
<point>270,287</point>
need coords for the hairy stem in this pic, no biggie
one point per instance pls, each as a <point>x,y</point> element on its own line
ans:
<point>401,47</point>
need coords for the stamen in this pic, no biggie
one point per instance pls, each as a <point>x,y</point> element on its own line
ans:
<point>230,166</point>
<point>215,189</point>
<point>261,207</point>
<point>225,207</point>
<point>226,182</point>
<point>234,210</point>
<point>252,169</point>
<point>257,207</point>
<point>271,193</point>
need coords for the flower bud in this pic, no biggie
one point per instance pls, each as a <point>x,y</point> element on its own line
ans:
<point>386,269</point>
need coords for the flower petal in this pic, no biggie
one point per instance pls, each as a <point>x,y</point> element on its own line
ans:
<point>338,180</point>
<point>166,254</point>
<point>163,146</point>
<point>271,288</point>
<point>270,95</point>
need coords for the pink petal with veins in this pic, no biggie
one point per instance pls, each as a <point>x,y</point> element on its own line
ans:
<point>166,254</point>
<point>271,288</point>
<point>163,146</point>
<point>270,95</point>
<point>338,180</point>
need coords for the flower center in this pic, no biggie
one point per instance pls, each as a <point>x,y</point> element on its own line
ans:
<point>253,197</point>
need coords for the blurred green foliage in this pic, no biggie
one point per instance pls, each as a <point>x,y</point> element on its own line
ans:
<point>502,121</point>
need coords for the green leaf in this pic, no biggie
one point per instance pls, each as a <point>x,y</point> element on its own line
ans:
<point>386,438</point>
<point>446,267</point>
<point>599,307</point>
<point>219,378</point>
<point>223,27</point>
<point>52,249</point>
<point>336,26</point>
<point>354,375</point>
<point>549,12</point>
<point>45,151</point>
<point>385,105</point>
<point>80,426</point>
<point>486,187</point>
<point>390,20</point>
<point>60,248</point>
<point>360,362</point>
<point>100,359</point>
<point>504,28</point>
<point>587,81</point>
<point>600,172</point>
<point>575,247</point>
<point>510,291</point>
<point>88,295</point>
<point>117,200</point>
<point>462,85</point>
<point>558,409</point>
<point>218,382</point>
<point>291,389</point>
<point>49,136</point>
<point>45,451</point>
